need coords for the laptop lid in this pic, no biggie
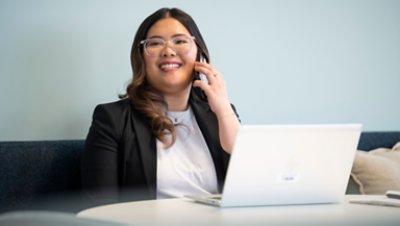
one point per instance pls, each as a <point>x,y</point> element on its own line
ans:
<point>290,164</point>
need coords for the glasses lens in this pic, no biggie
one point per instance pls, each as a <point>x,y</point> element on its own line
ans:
<point>154,45</point>
<point>181,44</point>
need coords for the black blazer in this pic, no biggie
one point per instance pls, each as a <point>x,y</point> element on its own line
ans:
<point>119,162</point>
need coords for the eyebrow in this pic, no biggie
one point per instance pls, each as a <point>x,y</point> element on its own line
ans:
<point>173,36</point>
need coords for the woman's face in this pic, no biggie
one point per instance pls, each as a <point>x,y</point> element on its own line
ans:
<point>168,71</point>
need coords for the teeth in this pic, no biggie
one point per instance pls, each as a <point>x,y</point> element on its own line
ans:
<point>169,66</point>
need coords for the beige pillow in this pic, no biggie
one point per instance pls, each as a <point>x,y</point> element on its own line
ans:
<point>378,170</point>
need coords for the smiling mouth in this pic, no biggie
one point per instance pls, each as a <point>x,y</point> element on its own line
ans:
<point>169,66</point>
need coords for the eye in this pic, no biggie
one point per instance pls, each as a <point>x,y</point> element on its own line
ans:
<point>154,43</point>
<point>181,41</point>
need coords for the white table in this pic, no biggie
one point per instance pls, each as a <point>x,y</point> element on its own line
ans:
<point>187,212</point>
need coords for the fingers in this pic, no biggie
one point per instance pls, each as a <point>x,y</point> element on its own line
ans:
<point>203,85</point>
<point>211,73</point>
<point>215,87</point>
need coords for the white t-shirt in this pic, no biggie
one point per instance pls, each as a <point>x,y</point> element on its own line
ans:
<point>187,167</point>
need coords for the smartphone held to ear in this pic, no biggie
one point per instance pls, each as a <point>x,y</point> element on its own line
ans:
<point>201,75</point>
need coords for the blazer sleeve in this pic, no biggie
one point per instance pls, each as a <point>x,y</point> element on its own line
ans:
<point>100,158</point>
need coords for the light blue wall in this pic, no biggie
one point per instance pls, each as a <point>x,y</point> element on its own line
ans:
<point>284,61</point>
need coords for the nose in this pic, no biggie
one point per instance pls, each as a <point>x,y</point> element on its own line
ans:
<point>168,50</point>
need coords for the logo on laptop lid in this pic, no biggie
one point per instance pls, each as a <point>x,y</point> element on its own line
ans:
<point>290,173</point>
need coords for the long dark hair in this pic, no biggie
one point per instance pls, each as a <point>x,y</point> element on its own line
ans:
<point>143,96</point>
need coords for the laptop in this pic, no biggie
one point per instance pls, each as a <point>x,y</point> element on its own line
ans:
<point>288,164</point>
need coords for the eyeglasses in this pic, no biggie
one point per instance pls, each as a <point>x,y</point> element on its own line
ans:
<point>181,44</point>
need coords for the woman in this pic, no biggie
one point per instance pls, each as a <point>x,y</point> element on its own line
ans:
<point>171,134</point>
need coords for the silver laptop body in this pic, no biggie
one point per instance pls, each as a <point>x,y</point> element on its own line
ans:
<point>288,164</point>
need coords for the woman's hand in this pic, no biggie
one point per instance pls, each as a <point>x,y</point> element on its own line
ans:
<point>218,100</point>
<point>215,89</point>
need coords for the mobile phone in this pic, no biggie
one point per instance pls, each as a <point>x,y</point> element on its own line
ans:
<point>202,76</point>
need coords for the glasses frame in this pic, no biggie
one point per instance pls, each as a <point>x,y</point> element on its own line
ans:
<point>164,42</point>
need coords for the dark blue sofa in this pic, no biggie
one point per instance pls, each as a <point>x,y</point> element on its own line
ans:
<point>40,175</point>
<point>45,175</point>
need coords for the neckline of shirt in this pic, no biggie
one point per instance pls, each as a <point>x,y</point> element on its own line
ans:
<point>180,117</point>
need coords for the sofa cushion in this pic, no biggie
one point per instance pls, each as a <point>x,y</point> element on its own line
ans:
<point>36,173</point>
<point>378,170</point>
<point>378,139</point>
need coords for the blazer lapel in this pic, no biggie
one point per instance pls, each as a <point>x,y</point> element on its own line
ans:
<point>147,150</point>
<point>209,127</point>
